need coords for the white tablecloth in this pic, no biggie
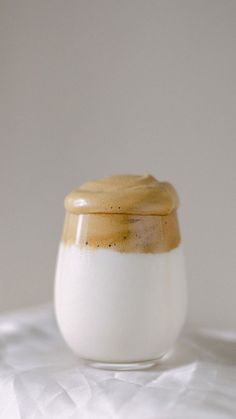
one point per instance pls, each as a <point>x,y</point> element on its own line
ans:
<point>40,378</point>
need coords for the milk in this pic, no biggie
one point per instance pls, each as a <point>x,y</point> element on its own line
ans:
<point>119,307</point>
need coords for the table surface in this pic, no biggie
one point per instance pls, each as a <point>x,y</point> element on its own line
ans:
<point>41,378</point>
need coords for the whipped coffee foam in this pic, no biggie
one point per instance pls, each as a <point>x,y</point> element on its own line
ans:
<point>132,214</point>
<point>130,194</point>
<point>122,232</point>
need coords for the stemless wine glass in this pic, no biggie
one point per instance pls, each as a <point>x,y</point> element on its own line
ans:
<point>120,290</point>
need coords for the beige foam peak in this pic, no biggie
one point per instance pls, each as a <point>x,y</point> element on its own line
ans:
<point>124,194</point>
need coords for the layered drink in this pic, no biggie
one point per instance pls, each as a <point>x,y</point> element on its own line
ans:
<point>120,291</point>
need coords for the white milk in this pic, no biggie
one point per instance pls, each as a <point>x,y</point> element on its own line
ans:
<point>120,307</point>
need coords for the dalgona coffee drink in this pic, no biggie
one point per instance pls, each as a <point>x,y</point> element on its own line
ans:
<point>120,292</point>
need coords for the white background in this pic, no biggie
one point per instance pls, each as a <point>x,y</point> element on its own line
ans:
<point>93,88</point>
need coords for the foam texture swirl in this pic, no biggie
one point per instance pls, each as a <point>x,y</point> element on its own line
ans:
<point>125,194</point>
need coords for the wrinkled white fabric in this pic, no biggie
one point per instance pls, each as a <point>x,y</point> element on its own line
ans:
<point>41,378</point>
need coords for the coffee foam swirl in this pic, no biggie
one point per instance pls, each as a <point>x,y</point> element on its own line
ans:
<point>131,194</point>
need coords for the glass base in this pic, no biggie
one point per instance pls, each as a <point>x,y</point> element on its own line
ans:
<point>131,366</point>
